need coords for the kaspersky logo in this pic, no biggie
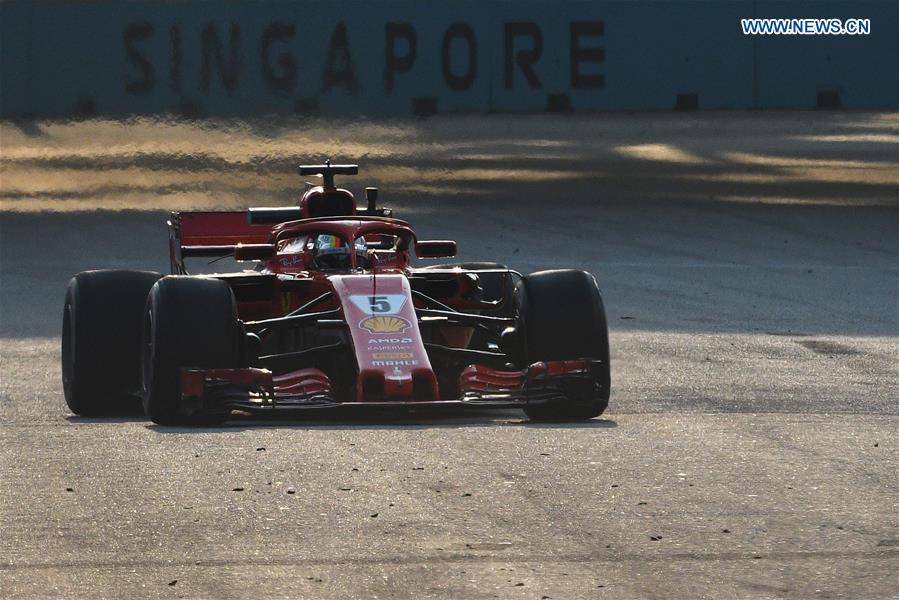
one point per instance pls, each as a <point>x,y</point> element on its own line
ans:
<point>385,324</point>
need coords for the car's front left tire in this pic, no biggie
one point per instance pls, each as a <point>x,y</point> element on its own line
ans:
<point>564,319</point>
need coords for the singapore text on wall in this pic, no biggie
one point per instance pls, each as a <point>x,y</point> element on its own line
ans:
<point>199,58</point>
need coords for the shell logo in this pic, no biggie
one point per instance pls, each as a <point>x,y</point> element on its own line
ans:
<point>385,324</point>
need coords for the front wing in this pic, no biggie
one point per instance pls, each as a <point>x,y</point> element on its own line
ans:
<point>256,390</point>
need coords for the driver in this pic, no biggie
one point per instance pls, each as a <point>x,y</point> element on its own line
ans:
<point>330,252</point>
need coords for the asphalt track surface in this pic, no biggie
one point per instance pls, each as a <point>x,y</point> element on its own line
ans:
<point>749,267</point>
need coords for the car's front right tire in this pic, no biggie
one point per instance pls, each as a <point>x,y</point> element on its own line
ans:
<point>188,322</point>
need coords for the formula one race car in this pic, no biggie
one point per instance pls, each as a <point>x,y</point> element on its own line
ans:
<point>332,315</point>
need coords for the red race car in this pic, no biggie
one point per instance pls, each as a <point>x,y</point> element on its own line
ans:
<point>332,315</point>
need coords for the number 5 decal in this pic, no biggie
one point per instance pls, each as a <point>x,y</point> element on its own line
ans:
<point>379,304</point>
<point>388,304</point>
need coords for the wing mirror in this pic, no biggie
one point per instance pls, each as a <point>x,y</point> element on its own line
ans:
<point>435,249</point>
<point>246,252</point>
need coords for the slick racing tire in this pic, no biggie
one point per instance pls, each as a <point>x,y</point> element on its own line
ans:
<point>188,322</point>
<point>564,319</point>
<point>101,331</point>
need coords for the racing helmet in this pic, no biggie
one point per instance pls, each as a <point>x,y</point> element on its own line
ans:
<point>331,252</point>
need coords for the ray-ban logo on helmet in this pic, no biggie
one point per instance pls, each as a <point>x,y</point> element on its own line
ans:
<point>385,324</point>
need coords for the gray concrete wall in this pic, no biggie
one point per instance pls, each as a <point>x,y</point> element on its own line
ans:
<point>245,57</point>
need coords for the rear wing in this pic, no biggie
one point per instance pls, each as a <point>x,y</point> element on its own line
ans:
<point>211,234</point>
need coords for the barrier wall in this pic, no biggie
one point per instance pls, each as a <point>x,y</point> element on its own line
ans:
<point>382,57</point>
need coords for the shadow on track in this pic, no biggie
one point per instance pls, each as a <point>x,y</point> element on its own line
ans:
<point>360,418</point>
<point>393,419</point>
<point>76,420</point>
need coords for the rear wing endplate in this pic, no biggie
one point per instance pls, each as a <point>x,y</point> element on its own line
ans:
<point>210,234</point>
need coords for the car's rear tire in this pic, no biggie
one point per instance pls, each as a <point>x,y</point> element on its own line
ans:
<point>494,287</point>
<point>101,336</point>
<point>188,322</point>
<point>564,319</point>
